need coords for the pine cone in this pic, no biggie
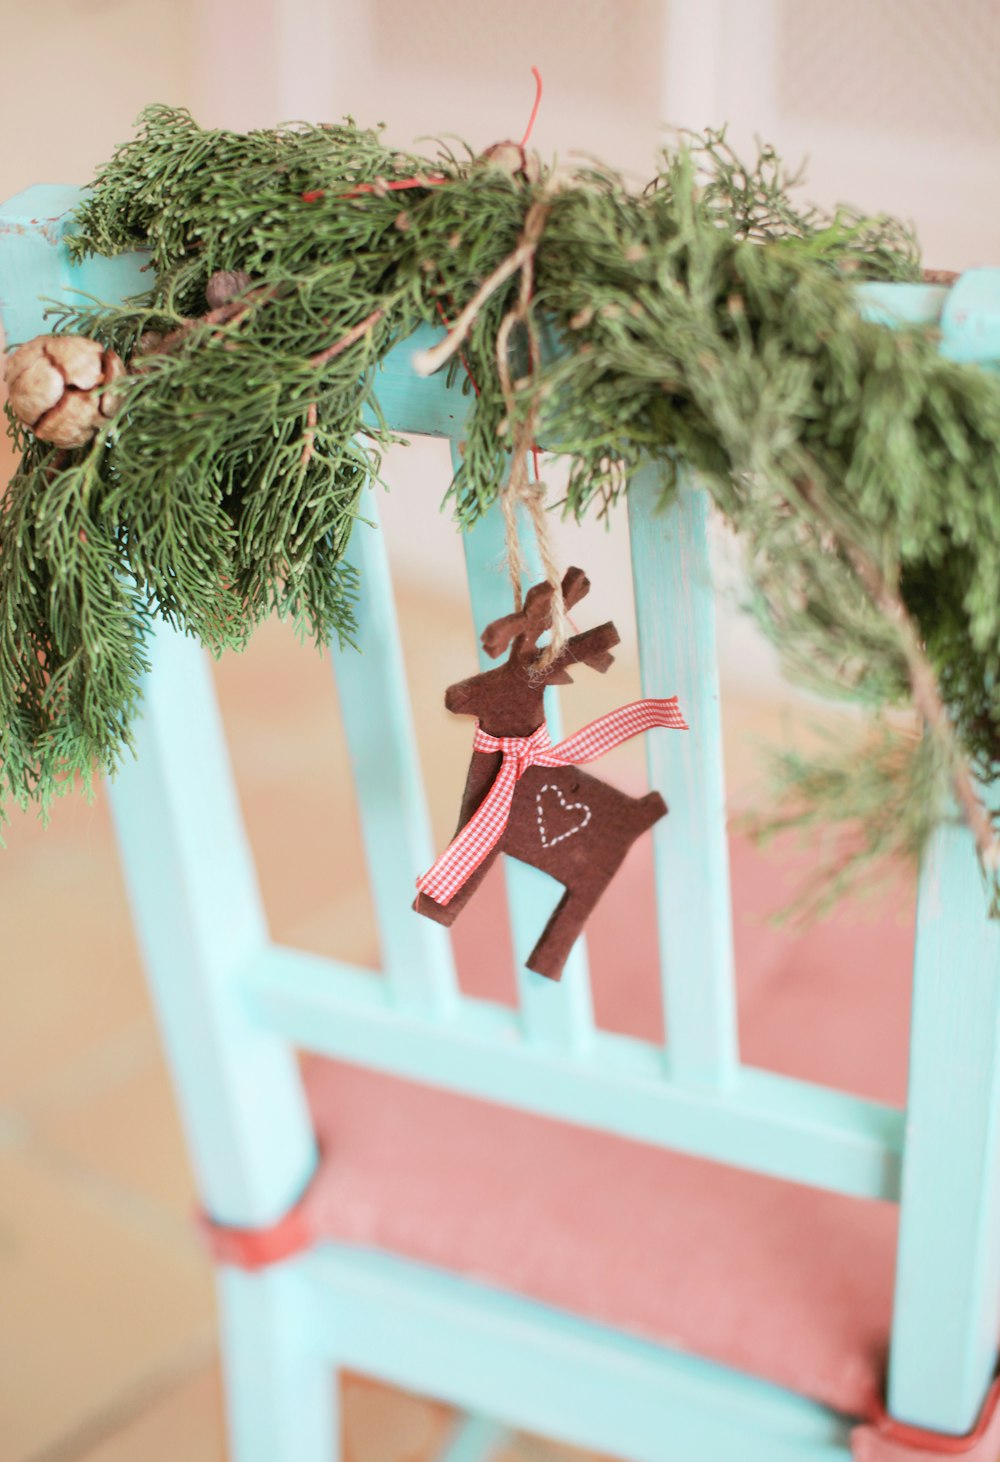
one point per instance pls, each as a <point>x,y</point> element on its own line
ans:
<point>58,385</point>
<point>224,285</point>
<point>513,158</point>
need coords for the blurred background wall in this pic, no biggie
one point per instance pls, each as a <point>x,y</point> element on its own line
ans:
<point>895,102</point>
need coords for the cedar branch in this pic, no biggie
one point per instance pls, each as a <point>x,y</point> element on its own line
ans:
<point>428,361</point>
<point>355,333</point>
<point>223,314</point>
<point>309,435</point>
<point>923,683</point>
<point>928,701</point>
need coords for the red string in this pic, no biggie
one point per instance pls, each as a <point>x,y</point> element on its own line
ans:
<point>382,187</point>
<point>538,101</point>
<point>400,184</point>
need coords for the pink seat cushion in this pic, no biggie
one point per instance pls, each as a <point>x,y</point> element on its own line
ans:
<point>785,1282</point>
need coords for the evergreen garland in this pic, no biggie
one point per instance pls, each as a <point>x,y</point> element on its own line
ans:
<point>707,320</point>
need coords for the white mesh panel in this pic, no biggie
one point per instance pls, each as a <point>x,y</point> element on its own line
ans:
<point>607,48</point>
<point>900,65</point>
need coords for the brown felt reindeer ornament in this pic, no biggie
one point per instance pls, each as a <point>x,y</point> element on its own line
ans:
<point>528,798</point>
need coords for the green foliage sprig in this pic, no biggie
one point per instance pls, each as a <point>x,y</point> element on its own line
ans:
<point>708,320</point>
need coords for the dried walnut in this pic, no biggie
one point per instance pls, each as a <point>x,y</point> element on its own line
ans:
<point>61,386</point>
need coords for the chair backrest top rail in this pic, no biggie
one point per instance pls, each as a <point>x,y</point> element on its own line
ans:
<point>410,403</point>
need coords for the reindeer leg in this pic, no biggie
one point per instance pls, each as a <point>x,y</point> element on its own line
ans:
<point>574,908</point>
<point>561,933</point>
<point>446,914</point>
<point>651,808</point>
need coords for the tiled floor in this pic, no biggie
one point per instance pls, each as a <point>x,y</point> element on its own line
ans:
<point>106,1322</point>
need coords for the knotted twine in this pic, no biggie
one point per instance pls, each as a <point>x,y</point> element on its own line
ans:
<point>519,490</point>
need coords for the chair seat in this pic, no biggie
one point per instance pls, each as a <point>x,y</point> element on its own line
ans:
<point>787,1283</point>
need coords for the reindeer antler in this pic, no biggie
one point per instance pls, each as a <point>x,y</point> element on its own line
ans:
<point>498,635</point>
<point>575,586</point>
<point>535,617</point>
<point>592,647</point>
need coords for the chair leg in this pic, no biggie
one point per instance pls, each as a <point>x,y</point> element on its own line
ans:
<point>281,1392</point>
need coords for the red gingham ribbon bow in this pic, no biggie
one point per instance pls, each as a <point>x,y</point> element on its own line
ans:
<point>484,829</point>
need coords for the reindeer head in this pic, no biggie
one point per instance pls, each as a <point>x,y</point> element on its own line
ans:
<point>508,701</point>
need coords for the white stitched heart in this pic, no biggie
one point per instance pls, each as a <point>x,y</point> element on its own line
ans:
<point>578,827</point>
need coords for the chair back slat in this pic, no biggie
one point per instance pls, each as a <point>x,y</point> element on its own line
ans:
<point>675,617</point>
<point>378,723</point>
<point>197,911</point>
<point>558,1014</point>
<point>948,1264</point>
<point>947,1296</point>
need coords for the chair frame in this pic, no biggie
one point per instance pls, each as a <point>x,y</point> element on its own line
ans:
<point>233,1007</point>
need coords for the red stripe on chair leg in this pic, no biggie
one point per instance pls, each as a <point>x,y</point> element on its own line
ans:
<point>257,1248</point>
<point>887,1440</point>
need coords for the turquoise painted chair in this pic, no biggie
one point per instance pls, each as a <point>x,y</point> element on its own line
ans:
<point>234,1007</point>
